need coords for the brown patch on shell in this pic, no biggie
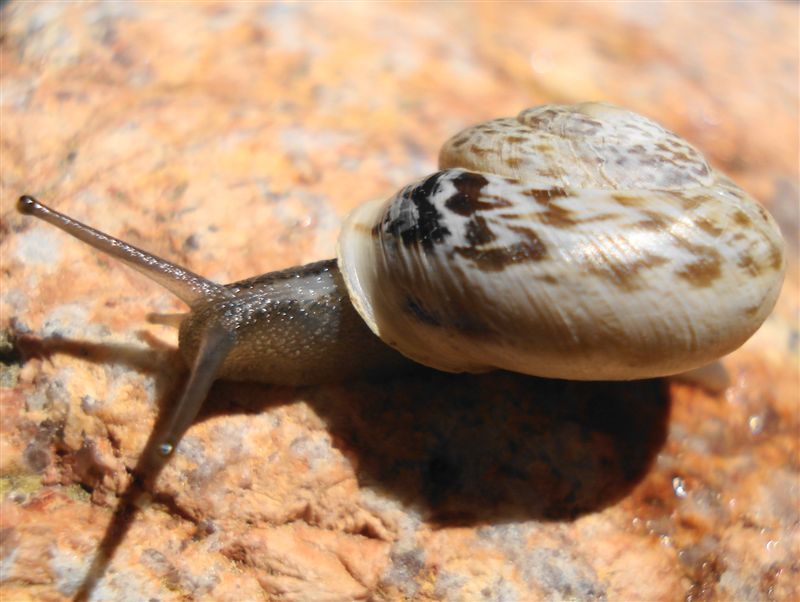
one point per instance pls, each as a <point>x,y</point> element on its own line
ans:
<point>468,198</point>
<point>747,263</point>
<point>709,227</point>
<point>627,200</point>
<point>582,125</point>
<point>366,230</point>
<point>481,150</point>
<point>460,140</point>
<point>534,122</point>
<point>775,257</point>
<point>705,271</point>
<point>544,196</point>
<point>479,232</point>
<point>530,248</point>
<point>624,274</point>
<point>557,217</point>
<point>741,218</point>
<point>692,202</point>
<point>654,221</point>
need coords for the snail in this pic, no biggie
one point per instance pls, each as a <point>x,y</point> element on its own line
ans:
<point>579,242</point>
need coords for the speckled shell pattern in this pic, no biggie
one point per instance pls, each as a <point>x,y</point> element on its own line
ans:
<point>583,242</point>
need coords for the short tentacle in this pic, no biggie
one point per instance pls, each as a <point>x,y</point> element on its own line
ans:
<point>217,342</point>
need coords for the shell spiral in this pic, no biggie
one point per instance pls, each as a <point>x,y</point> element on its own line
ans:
<point>583,242</point>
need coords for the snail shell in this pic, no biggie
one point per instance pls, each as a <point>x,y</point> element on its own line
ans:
<point>580,242</point>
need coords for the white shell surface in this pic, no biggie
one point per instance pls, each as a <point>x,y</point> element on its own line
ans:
<point>581,242</point>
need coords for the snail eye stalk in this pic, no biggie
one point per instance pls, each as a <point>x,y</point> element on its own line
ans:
<point>184,284</point>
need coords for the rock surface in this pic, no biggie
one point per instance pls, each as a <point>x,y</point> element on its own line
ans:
<point>233,138</point>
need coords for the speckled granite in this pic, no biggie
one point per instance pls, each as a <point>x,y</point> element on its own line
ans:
<point>233,139</point>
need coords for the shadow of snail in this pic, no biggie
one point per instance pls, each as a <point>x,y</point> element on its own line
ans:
<point>461,449</point>
<point>500,447</point>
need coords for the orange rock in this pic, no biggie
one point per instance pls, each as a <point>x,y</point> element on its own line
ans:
<point>233,138</point>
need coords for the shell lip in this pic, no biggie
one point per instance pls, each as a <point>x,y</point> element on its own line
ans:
<point>355,257</point>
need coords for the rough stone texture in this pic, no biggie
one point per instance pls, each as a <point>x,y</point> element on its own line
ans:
<point>232,139</point>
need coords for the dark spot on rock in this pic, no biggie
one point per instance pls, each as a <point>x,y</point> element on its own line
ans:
<point>704,572</point>
<point>409,564</point>
<point>178,190</point>
<point>36,456</point>
<point>10,352</point>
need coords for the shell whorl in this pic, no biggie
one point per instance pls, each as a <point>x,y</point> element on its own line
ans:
<point>582,242</point>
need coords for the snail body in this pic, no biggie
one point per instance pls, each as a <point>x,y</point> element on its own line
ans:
<point>581,242</point>
<point>293,327</point>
